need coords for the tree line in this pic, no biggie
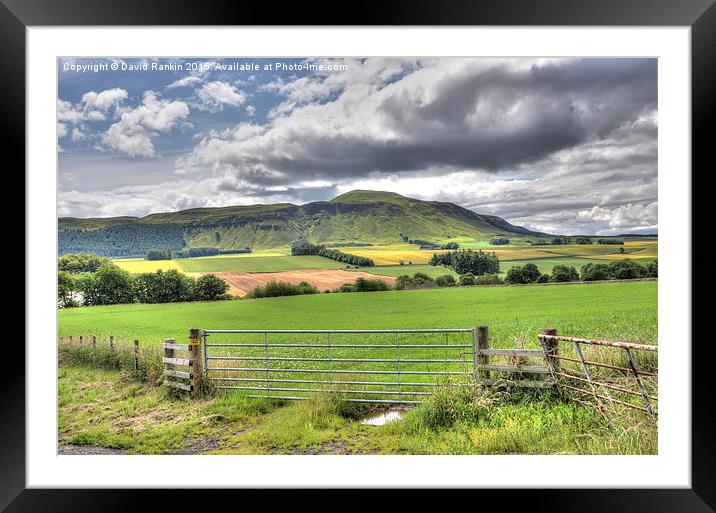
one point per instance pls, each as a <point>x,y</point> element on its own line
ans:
<point>303,248</point>
<point>110,285</point>
<point>626,269</point>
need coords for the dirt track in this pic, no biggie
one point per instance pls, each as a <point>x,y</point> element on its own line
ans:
<point>323,279</point>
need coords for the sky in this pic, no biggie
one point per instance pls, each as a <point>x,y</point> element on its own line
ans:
<point>563,146</point>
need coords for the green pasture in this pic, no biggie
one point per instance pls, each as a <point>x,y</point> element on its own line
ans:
<point>545,265</point>
<point>258,264</point>
<point>623,311</point>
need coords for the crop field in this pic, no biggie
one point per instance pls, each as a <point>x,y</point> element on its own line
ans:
<point>140,265</point>
<point>621,311</point>
<point>258,264</point>
<point>323,279</point>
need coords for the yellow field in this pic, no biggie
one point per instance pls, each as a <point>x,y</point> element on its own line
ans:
<point>139,265</point>
<point>644,249</point>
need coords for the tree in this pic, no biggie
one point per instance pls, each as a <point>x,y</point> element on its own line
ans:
<point>625,270</point>
<point>516,275</point>
<point>209,288</point>
<point>531,272</point>
<point>110,285</point>
<point>562,273</point>
<point>651,269</point>
<point>65,289</point>
<point>445,280</point>
<point>474,262</point>
<point>81,262</point>
<point>595,272</point>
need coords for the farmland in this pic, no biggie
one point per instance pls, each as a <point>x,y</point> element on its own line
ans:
<point>103,408</point>
<point>624,311</point>
<point>257,264</point>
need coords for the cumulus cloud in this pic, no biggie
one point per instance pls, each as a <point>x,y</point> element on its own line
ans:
<point>214,95</point>
<point>105,100</point>
<point>61,130</point>
<point>136,128</point>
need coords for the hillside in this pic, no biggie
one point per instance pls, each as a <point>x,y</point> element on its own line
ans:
<point>366,217</point>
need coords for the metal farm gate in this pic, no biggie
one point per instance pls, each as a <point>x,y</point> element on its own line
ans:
<point>376,366</point>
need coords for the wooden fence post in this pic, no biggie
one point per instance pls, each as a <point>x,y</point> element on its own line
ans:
<point>111,343</point>
<point>70,339</point>
<point>552,347</point>
<point>483,342</point>
<point>94,341</point>
<point>195,356</point>
<point>80,340</point>
<point>169,353</point>
<point>136,355</point>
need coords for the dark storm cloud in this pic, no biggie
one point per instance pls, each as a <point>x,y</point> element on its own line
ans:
<point>485,117</point>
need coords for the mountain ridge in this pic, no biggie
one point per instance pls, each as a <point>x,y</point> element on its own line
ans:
<point>359,216</point>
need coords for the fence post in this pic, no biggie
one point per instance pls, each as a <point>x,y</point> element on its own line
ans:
<point>94,341</point>
<point>111,342</point>
<point>136,355</point>
<point>169,353</point>
<point>552,347</point>
<point>195,356</point>
<point>70,339</point>
<point>80,340</point>
<point>483,342</point>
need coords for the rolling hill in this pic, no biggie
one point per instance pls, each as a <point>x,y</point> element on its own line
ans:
<point>357,217</point>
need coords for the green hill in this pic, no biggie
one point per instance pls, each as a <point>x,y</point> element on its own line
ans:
<point>366,217</point>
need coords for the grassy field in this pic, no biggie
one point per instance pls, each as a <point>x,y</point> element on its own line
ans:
<point>399,270</point>
<point>545,265</point>
<point>258,264</point>
<point>624,311</point>
<point>101,408</point>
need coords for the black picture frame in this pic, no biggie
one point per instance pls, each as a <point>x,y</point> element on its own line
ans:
<point>700,15</point>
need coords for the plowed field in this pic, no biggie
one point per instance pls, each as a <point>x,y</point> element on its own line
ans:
<point>323,279</point>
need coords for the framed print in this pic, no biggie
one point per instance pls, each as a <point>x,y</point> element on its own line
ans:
<point>418,248</point>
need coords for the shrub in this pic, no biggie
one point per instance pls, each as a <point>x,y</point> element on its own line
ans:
<point>499,241</point>
<point>489,279</point>
<point>422,279</point>
<point>451,245</point>
<point>452,404</point>
<point>164,287</point>
<point>445,280</point>
<point>364,285</point>
<point>279,288</point>
<point>562,273</point>
<point>466,279</point>
<point>544,278</point>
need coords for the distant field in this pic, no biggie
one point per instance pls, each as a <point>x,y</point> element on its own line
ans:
<point>623,311</point>
<point>545,265</point>
<point>258,264</point>
<point>139,265</point>
<point>398,270</point>
<point>383,256</point>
